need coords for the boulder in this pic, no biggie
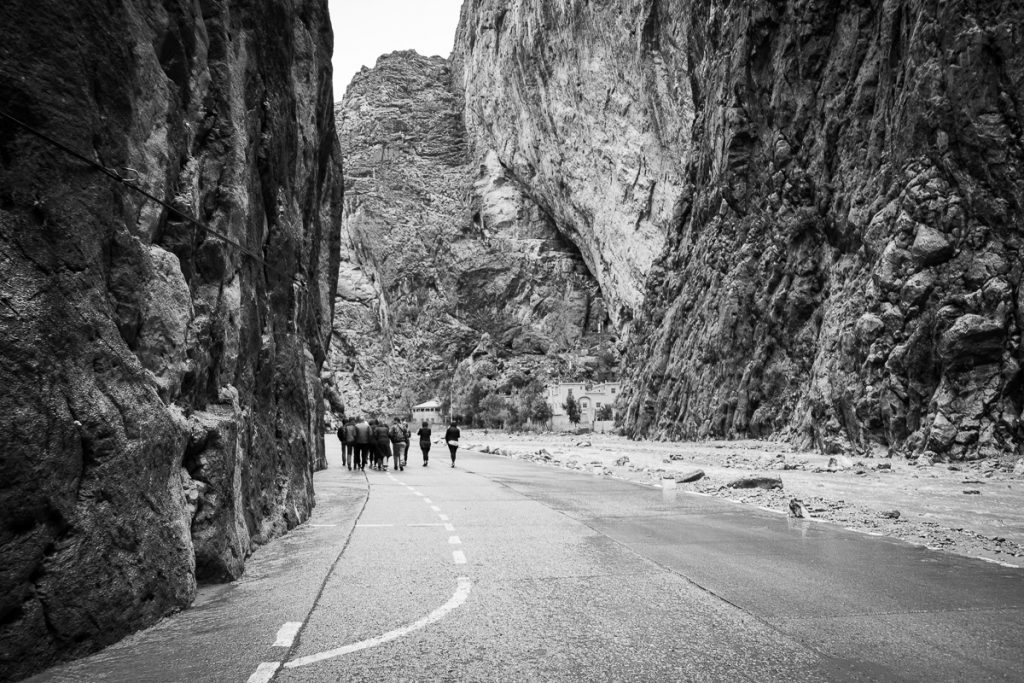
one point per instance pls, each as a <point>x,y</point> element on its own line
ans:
<point>756,482</point>
<point>690,476</point>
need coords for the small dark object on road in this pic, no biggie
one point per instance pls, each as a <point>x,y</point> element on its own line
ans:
<point>972,492</point>
<point>756,483</point>
<point>690,475</point>
<point>890,514</point>
<point>798,509</point>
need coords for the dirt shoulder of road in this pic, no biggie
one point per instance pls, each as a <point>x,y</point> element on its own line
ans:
<point>973,509</point>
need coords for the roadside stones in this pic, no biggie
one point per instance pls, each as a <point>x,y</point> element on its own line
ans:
<point>798,509</point>
<point>756,482</point>
<point>889,514</point>
<point>676,456</point>
<point>839,463</point>
<point>622,462</point>
<point>972,492</point>
<point>689,476</point>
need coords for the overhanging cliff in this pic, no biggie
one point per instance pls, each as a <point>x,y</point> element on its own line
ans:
<point>161,404</point>
<point>812,209</point>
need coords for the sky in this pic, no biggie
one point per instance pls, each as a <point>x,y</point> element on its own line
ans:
<point>366,29</point>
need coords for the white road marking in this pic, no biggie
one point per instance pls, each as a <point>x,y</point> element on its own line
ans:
<point>444,518</point>
<point>264,672</point>
<point>427,501</point>
<point>449,527</point>
<point>428,524</point>
<point>1001,564</point>
<point>454,540</point>
<point>435,508</point>
<point>322,525</point>
<point>375,526</point>
<point>459,557</point>
<point>461,594</point>
<point>286,635</point>
<point>418,493</point>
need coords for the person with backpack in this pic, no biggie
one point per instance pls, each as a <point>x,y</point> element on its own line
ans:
<point>451,437</point>
<point>399,436</point>
<point>424,434</point>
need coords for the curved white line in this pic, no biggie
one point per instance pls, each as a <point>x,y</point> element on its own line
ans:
<point>461,594</point>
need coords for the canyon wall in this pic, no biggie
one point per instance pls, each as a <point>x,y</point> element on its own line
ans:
<point>805,216</point>
<point>448,268</point>
<point>161,410</point>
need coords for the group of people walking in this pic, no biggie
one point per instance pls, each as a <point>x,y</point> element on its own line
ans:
<point>372,442</point>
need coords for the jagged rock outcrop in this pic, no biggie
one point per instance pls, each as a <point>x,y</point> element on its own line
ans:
<point>826,199</point>
<point>161,408</point>
<point>441,250</point>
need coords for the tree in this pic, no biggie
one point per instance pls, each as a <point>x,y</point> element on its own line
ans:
<point>572,408</point>
<point>604,412</point>
<point>493,411</point>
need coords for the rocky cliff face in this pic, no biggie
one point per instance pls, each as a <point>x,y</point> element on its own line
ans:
<point>812,208</point>
<point>161,404</point>
<point>445,261</point>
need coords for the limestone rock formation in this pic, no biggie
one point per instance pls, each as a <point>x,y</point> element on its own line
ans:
<point>441,250</point>
<point>812,209</point>
<point>161,408</point>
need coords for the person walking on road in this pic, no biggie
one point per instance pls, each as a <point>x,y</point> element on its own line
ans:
<point>343,438</point>
<point>399,435</point>
<point>424,434</point>
<point>451,437</point>
<point>383,445</point>
<point>362,442</point>
<point>350,444</point>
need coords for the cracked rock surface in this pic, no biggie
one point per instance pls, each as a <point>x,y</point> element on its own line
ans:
<point>804,216</point>
<point>161,408</point>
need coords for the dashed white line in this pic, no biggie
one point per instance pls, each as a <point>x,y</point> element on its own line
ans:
<point>454,540</point>
<point>374,526</point>
<point>449,527</point>
<point>418,494</point>
<point>459,557</point>
<point>286,634</point>
<point>435,508</point>
<point>444,518</point>
<point>429,524</point>
<point>322,525</point>
<point>264,672</point>
<point>427,501</point>
<point>461,593</point>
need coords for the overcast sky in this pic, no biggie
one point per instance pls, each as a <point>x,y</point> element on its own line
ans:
<point>366,29</point>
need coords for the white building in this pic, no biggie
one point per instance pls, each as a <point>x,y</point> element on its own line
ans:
<point>590,396</point>
<point>429,412</point>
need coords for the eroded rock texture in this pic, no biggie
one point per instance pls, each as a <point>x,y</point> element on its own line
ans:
<point>815,207</point>
<point>442,249</point>
<point>161,405</point>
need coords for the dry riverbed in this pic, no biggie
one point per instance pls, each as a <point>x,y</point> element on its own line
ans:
<point>974,509</point>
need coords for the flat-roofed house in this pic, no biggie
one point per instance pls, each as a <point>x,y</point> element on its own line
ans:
<point>591,397</point>
<point>429,412</point>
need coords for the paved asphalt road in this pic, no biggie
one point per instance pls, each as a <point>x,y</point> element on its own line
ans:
<point>501,570</point>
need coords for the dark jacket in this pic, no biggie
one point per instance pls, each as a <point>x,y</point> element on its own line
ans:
<point>381,434</point>
<point>452,434</point>
<point>363,432</point>
<point>424,435</point>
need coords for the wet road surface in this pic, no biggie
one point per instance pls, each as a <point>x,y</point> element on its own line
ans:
<point>502,570</point>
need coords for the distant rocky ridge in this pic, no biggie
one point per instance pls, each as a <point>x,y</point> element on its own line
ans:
<point>805,216</point>
<point>161,410</point>
<point>448,269</point>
